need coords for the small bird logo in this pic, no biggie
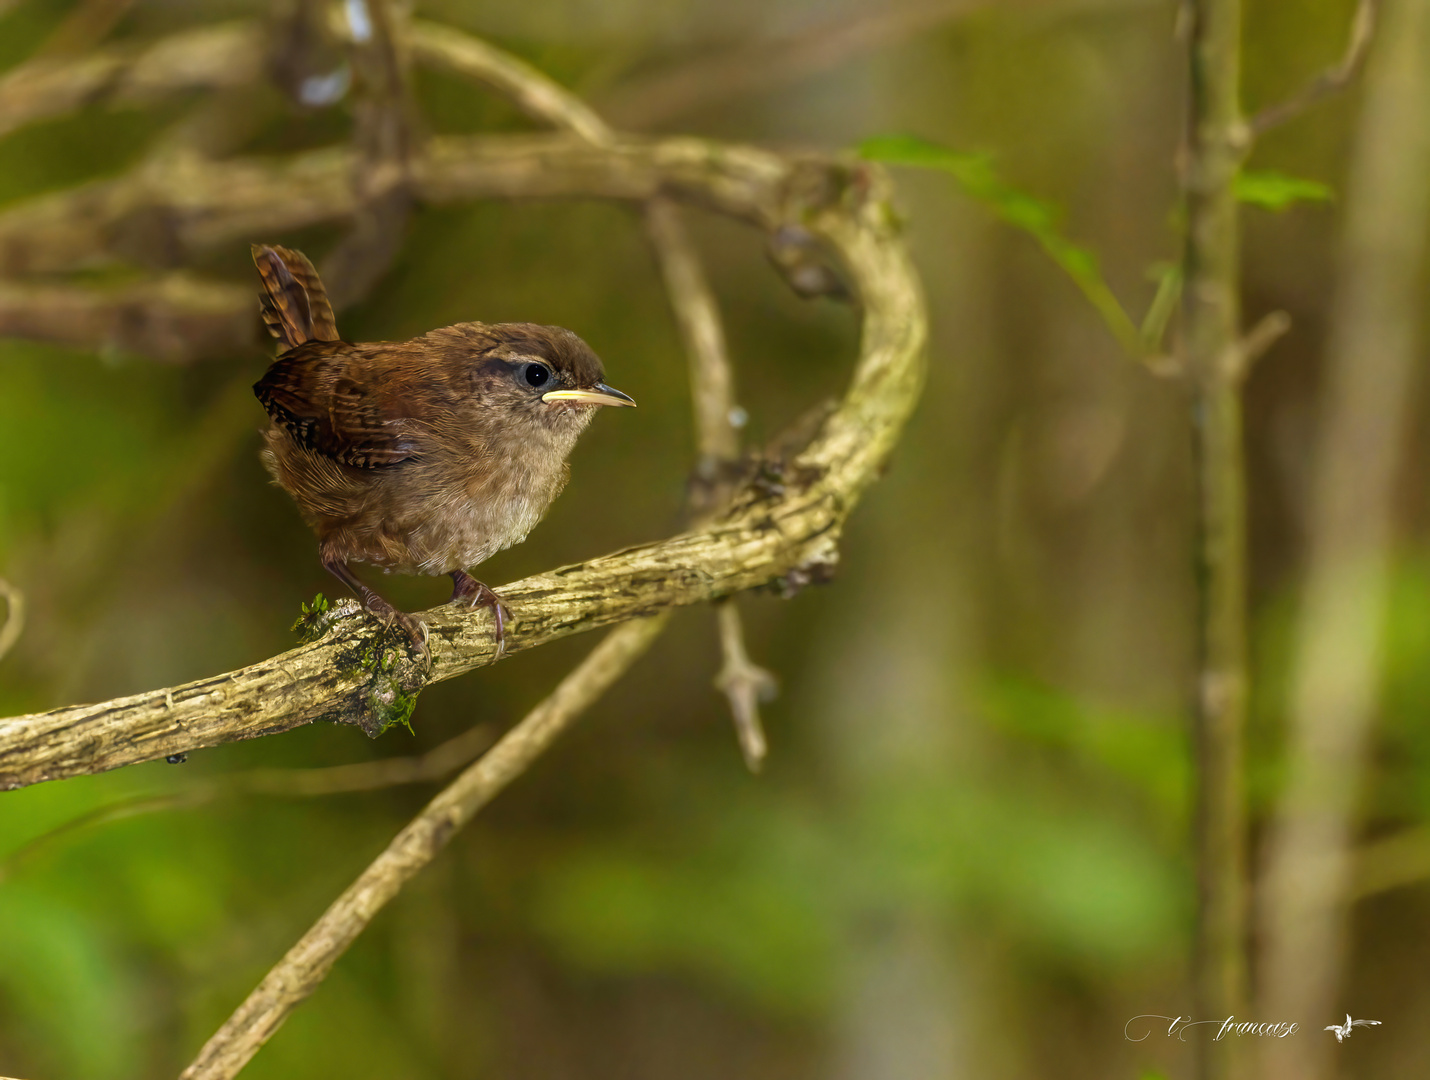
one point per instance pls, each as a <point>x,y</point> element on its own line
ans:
<point>1343,1031</point>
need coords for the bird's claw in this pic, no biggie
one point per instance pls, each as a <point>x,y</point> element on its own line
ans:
<point>417,633</point>
<point>469,591</point>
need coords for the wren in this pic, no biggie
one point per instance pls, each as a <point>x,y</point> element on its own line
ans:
<point>420,457</point>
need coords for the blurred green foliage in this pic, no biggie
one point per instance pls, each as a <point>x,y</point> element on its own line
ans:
<point>1040,219</point>
<point>1272,190</point>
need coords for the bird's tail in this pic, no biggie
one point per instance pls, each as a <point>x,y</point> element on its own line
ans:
<point>294,303</point>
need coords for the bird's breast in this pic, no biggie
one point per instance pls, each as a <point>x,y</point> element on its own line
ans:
<point>484,503</point>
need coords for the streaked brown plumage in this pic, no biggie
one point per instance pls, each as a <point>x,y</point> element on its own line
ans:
<point>425,456</point>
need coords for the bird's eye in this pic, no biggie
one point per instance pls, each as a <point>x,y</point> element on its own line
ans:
<point>536,374</point>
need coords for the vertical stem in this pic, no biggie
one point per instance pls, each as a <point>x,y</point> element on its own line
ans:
<point>717,438</point>
<point>712,382</point>
<point>1216,145</point>
<point>1367,410</point>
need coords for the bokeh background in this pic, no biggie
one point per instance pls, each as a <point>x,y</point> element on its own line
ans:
<point>968,854</point>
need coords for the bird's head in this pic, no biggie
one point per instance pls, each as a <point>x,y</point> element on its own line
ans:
<point>545,373</point>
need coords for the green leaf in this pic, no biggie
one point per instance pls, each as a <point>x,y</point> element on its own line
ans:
<point>1276,191</point>
<point>976,174</point>
<point>912,150</point>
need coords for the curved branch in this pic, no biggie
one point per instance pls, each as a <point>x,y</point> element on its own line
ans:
<point>198,204</point>
<point>530,90</point>
<point>786,539</point>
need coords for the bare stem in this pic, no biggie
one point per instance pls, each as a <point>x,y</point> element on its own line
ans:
<point>1211,347</point>
<point>712,381</point>
<point>308,962</point>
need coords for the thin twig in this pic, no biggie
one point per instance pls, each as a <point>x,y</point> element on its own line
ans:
<point>280,783</point>
<point>233,54</point>
<point>745,684</point>
<point>531,90</point>
<point>308,962</point>
<point>14,617</point>
<point>1269,329</point>
<point>1331,81</point>
<point>367,775</point>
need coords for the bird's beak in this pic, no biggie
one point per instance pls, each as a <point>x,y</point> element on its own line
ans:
<point>600,394</point>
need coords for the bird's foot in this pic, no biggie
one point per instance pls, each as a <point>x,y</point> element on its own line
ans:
<point>411,625</point>
<point>471,592</point>
<point>380,609</point>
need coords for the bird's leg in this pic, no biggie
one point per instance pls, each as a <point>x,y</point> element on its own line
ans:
<point>382,609</point>
<point>468,590</point>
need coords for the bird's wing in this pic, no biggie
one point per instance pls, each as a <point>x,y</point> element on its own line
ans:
<point>1365,1023</point>
<point>333,399</point>
<point>293,301</point>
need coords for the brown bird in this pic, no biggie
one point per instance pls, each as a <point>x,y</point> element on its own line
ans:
<point>425,456</point>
